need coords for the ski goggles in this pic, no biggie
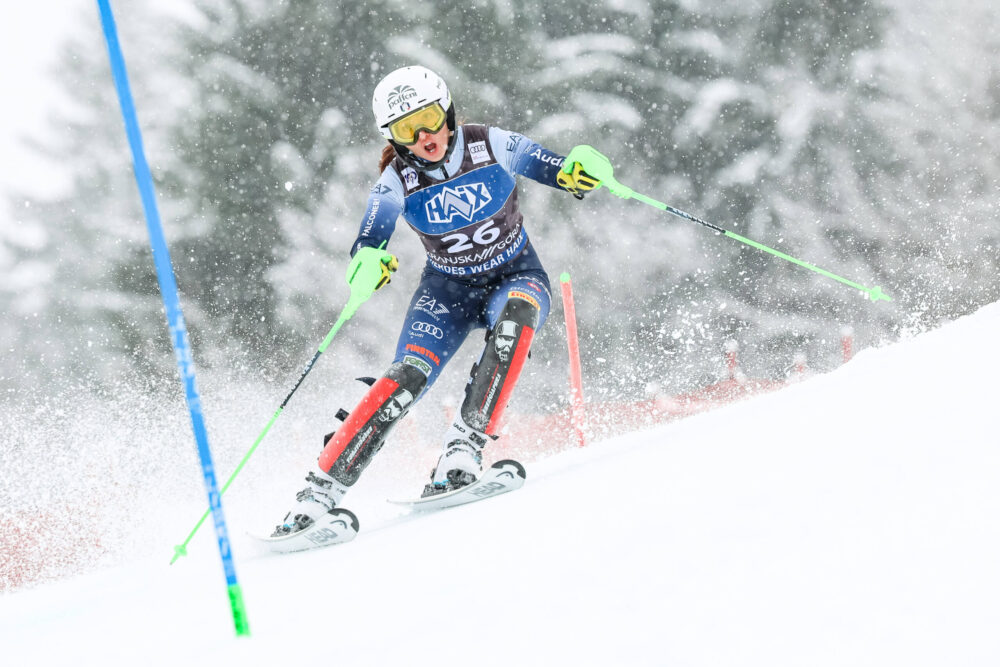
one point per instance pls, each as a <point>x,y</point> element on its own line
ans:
<point>405,130</point>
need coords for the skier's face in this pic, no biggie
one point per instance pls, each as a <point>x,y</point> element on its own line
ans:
<point>431,146</point>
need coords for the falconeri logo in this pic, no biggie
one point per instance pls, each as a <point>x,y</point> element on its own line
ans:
<point>401,94</point>
<point>464,201</point>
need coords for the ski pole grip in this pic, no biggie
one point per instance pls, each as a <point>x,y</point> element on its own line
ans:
<point>597,165</point>
<point>369,270</point>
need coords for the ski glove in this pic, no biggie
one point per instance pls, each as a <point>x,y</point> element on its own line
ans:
<point>573,178</point>
<point>370,269</point>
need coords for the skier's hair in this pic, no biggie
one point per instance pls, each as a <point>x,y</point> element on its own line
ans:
<point>388,155</point>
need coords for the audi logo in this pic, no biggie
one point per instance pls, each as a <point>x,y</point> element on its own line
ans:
<point>429,329</point>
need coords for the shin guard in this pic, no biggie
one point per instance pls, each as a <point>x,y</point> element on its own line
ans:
<point>494,376</point>
<point>364,431</point>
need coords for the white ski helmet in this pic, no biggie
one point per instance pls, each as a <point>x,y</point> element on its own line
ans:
<point>403,91</point>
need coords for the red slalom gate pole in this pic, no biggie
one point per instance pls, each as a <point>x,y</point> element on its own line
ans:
<point>847,343</point>
<point>575,371</point>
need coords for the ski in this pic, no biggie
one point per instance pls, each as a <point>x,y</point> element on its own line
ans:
<point>340,525</point>
<point>335,527</point>
<point>502,477</point>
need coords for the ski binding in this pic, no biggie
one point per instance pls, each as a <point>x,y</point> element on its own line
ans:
<point>502,477</point>
<point>335,527</point>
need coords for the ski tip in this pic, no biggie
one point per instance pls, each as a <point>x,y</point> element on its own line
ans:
<point>346,515</point>
<point>518,469</point>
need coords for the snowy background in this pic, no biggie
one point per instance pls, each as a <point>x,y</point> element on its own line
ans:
<point>858,135</point>
<point>861,136</point>
<point>32,35</point>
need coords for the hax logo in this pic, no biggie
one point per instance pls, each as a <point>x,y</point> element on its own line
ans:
<point>463,201</point>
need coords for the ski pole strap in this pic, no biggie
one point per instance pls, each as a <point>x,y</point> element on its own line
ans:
<point>598,166</point>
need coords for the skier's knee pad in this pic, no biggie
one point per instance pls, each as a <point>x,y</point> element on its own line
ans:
<point>364,430</point>
<point>494,376</point>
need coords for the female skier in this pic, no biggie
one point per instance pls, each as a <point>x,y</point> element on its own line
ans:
<point>455,186</point>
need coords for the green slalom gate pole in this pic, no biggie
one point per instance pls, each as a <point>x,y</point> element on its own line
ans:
<point>598,166</point>
<point>361,283</point>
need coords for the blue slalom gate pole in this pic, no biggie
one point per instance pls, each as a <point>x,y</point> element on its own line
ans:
<point>172,304</point>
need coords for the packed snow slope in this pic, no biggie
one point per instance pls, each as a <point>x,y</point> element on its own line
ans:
<point>850,519</point>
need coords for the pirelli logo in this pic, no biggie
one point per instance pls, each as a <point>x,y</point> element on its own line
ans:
<point>517,294</point>
<point>423,351</point>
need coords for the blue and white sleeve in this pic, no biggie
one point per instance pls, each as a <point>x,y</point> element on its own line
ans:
<point>385,203</point>
<point>520,155</point>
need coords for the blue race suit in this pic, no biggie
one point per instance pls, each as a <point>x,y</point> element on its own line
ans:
<point>478,253</point>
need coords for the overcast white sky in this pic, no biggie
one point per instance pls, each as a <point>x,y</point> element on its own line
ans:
<point>30,35</point>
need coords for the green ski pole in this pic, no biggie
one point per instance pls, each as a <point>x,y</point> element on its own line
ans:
<point>363,284</point>
<point>598,166</point>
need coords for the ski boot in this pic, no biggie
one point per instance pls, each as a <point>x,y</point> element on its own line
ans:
<point>462,460</point>
<point>321,495</point>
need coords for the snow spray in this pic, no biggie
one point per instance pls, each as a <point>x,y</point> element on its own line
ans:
<point>364,281</point>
